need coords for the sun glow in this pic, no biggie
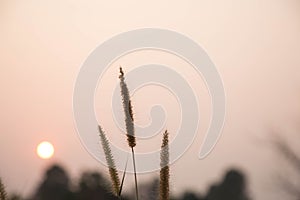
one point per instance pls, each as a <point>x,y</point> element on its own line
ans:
<point>45,150</point>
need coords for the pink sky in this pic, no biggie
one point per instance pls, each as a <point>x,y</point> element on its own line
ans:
<point>254,44</point>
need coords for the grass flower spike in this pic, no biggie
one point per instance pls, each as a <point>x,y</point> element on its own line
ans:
<point>110,162</point>
<point>164,171</point>
<point>3,194</point>
<point>127,110</point>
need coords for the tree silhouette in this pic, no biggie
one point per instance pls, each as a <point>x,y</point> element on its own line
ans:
<point>150,190</point>
<point>92,187</point>
<point>189,195</point>
<point>233,187</point>
<point>54,186</point>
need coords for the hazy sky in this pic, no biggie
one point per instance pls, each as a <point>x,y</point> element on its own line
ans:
<point>255,45</point>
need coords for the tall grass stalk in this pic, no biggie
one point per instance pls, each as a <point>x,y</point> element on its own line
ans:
<point>164,168</point>
<point>129,123</point>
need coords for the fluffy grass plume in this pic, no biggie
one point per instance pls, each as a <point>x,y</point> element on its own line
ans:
<point>164,168</point>
<point>129,123</point>
<point>127,110</point>
<point>110,162</point>
<point>3,194</point>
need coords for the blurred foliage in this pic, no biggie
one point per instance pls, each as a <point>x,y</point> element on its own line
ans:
<point>56,185</point>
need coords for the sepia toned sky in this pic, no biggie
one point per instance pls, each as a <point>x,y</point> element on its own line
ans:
<point>254,44</point>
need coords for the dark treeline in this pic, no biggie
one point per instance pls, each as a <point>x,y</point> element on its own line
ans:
<point>56,185</point>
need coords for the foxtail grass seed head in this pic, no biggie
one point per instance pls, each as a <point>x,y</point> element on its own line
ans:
<point>164,171</point>
<point>127,110</point>
<point>110,162</point>
<point>3,194</point>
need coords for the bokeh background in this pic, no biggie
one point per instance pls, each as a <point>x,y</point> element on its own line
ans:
<point>254,44</point>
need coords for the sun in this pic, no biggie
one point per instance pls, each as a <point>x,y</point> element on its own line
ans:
<point>45,150</point>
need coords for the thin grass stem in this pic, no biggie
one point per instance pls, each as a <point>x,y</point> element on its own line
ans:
<point>123,177</point>
<point>135,177</point>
